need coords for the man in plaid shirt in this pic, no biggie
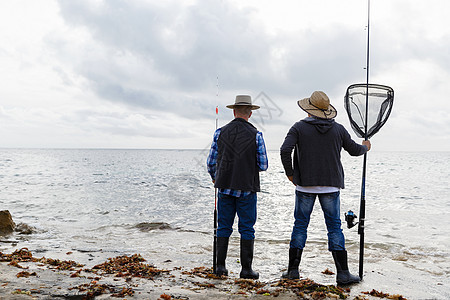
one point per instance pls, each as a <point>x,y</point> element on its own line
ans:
<point>237,155</point>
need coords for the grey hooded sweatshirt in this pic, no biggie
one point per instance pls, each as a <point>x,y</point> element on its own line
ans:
<point>317,145</point>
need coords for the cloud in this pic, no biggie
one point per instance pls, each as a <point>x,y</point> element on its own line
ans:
<point>187,44</point>
<point>160,55</point>
<point>178,45</point>
<point>154,65</point>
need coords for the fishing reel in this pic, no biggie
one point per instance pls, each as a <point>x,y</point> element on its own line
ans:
<point>350,219</point>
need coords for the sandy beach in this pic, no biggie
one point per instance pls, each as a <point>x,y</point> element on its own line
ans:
<point>132,277</point>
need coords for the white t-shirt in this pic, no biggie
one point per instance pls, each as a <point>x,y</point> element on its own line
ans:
<point>317,189</point>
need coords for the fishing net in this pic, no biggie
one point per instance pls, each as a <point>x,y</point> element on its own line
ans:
<point>379,106</point>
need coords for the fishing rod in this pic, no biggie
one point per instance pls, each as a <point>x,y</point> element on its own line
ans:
<point>356,104</point>
<point>215,195</point>
<point>362,209</point>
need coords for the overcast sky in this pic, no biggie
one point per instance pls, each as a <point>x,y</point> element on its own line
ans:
<point>148,74</point>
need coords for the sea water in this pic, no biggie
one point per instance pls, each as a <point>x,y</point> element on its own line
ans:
<point>94,204</point>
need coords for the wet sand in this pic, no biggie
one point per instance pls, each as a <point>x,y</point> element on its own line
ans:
<point>40,278</point>
<point>50,284</point>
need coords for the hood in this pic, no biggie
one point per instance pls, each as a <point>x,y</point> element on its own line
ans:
<point>322,125</point>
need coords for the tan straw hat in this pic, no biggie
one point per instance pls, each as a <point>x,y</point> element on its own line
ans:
<point>318,105</point>
<point>243,100</point>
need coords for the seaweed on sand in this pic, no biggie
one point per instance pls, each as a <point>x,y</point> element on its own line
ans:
<point>203,272</point>
<point>309,287</point>
<point>66,265</point>
<point>249,284</point>
<point>378,294</point>
<point>93,289</point>
<point>122,266</point>
<point>25,274</point>
<point>18,255</point>
<point>128,266</point>
<point>24,255</point>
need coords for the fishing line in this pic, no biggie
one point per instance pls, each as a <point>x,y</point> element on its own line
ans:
<point>215,191</point>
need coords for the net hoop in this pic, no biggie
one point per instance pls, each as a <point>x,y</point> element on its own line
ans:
<point>379,106</point>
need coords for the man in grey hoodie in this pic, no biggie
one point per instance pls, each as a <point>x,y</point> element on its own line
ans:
<point>317,172</point>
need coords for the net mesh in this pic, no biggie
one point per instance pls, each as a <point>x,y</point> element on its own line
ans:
<point>379,106</point>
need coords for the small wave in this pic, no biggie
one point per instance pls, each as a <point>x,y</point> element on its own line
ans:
<point>9,242</point>
<point>23,228</point>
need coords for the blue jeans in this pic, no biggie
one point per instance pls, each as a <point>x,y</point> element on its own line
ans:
<point>330,203</point>
<point>245,207</point>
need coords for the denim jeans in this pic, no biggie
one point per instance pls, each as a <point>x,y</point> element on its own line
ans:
<point>245,207</point>
<point>330,203</point>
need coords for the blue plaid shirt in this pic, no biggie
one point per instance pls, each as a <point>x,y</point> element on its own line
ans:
<point>261,159</point>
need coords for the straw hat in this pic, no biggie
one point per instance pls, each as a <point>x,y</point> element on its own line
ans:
<point>243,100</point>
<point>318,105</point>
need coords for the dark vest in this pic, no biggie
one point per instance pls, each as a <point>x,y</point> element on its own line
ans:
<point>237,168</point>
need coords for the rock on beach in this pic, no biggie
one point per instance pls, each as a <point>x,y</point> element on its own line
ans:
<point>7,224</point>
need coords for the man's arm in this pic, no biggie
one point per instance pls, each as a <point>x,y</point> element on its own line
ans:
<point>261,153</point>
<point>212,157</point>
<point>353,148</point>
<point>286,152</point>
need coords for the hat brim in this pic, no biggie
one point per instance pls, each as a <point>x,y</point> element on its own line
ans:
<point>232,106</point>
<point>305,104</point>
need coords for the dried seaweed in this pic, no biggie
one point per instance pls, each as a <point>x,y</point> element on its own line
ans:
<point>25,274</point>
<point>94,289</point>
<point>327,272</point>
<point>16,264</point>
<point>67,265</point>
<point>21,292</point>
<point>122,266</point>
<point>24,255</point>
<point>128,266</point>
<point>205,285</point>
<point>123,292</point>
<point>203,272</point>
<point>378,294</point>
<point>249,284</point>
<point>315,290</point>
<point>19,255</point>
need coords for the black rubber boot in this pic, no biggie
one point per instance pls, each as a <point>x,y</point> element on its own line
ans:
<point>222,248</point>
<point>295,255</point>
<point>246,260</point>
<point>343,276</point>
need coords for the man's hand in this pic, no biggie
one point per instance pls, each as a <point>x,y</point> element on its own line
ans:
<point>213,181</point>
<point>291,178</point>
<point>367,144</point>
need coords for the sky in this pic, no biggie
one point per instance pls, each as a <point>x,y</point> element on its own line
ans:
<point>148,74</point>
